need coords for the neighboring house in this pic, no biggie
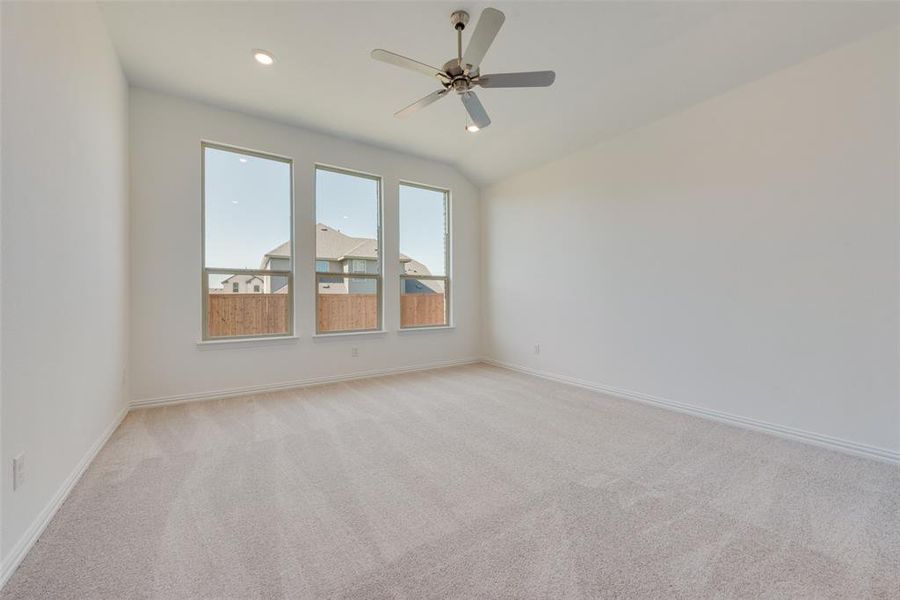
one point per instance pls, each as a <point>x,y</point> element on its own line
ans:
<point>278,259</point>
<point>417,286</point>
<point>241,284</point>
<point>344,255</point>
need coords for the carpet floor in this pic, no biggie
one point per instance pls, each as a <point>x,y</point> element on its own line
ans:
<point>469,482</point>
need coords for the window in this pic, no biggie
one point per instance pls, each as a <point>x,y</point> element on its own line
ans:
<point>424,256</point>
<point>247,241</point>
<point>324,266</point>
<point>348,257</point>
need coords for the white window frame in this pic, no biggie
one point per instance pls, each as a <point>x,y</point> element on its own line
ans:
<point>379,276</point>
<point>446,277</point>
<point>205,271</point>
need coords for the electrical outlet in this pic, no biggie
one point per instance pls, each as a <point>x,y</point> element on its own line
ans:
<point>537,348</point>
<point>18,471</point>
<point>354,352</point>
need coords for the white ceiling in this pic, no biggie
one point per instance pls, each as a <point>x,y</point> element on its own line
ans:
<point>619,65</point>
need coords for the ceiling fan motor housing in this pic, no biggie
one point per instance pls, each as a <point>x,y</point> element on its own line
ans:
<point>459,81</point>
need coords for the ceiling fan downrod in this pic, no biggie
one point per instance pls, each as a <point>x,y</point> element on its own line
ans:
<point>459,19</point>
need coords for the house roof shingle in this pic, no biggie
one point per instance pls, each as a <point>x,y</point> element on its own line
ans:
<point>331,244</point>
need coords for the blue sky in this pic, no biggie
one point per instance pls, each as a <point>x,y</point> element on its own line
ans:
<point>347,203</point>
<point>422,226</point>
<point>248,208</point>
<point>248,211</point>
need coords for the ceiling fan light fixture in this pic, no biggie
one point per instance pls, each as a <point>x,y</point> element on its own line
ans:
<point>263,57</point>
<point>472,128</point>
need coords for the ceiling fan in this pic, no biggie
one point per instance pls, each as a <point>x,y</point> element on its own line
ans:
<point>461,74</point>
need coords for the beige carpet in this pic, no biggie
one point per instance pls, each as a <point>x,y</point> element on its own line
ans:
<point>471,482</point>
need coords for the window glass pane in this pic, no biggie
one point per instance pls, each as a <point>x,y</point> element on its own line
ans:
<point>347,215</point>
<point>239,304</point>
<point>423,251</point>
<point>347,304</point>
<point>423,227</point>
<point>247,225</point>
<point>423,302</point>
<point>247,211</point>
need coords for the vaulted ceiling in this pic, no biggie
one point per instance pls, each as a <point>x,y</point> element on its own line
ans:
<point>619,65</point>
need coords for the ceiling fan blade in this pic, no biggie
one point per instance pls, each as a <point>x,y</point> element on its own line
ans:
<point>513,80</point>
<point>408,63</point>
<point>476,111</point>
<point>489,24</point>
<point>422,103</point>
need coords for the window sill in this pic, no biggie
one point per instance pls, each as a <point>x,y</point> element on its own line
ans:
<point>247,342</point>
<point>340,334</point>
<point>422,329</point>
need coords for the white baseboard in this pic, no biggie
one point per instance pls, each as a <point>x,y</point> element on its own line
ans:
<point>272,387</point>
<point>40,522</point>
<point>832,443</point>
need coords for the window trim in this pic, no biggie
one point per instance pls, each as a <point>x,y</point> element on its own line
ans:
<point>205,271</point>
<point>379,243</point>
<point>448,263</point>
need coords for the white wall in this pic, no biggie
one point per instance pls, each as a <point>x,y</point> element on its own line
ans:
<point>165,214</point>
<point>64,250</point>
<point>740,256</point>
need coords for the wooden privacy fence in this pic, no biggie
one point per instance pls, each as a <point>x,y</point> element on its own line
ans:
<point>344,312</point>
<point>418,310</point>
<point>247,314</point>
<point>266,314</point>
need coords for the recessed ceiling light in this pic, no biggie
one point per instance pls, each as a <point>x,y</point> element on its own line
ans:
<point>263,57</point>
<point>472,128</point>
<point>243,160</point>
